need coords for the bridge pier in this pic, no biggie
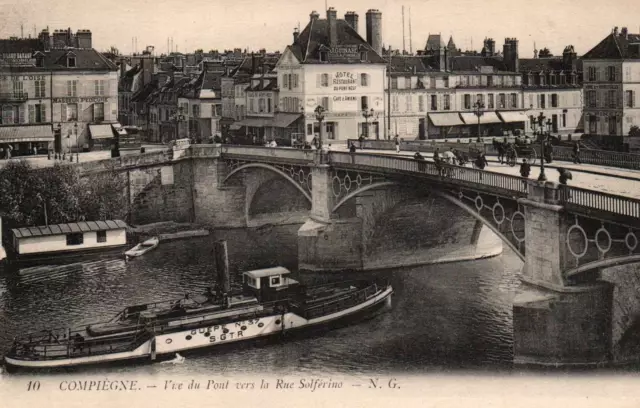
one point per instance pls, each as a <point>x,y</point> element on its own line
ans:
<point>556,323</point>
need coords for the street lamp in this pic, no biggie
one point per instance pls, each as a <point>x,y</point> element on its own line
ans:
<point>368,114</point>
<point>55,150</point>
<point>479,106</point>
<point>537,125</point>
<point>75,129</point>
<point>319,111</point>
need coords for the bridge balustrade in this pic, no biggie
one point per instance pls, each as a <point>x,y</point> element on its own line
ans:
<point>270,153</point>
<point>591,199</point>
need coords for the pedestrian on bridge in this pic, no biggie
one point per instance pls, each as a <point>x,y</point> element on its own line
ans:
<point>422,165</point>
<point>576,153</point>
<point>352,147</point>
<point>397,144</point>
<point>564,175</point>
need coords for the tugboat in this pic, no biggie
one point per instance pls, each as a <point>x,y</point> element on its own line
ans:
<point>269,303</point>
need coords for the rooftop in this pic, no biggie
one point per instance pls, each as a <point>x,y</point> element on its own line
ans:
<point>60,229</point>
<point>616,46</point>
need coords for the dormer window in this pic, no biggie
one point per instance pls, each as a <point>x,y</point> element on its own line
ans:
<point>39,57</point>
<point>71,60</point>
<point>324,57</point>
<point>363,56</point>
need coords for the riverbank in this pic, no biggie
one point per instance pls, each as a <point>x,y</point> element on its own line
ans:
<point>168,231</point>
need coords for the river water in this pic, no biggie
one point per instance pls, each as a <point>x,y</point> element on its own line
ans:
<point>443,317</point>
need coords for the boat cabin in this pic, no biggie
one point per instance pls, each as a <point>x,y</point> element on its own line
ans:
<point>71,237</point>
<point>270,283</point>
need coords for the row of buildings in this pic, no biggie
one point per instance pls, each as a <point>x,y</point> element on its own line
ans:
<point>56,93</point>
<point>375,92</point>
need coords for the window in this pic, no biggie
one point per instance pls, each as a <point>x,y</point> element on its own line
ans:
<point>275,281</point>
<point>554,100</point>
<point>421,103</point>
<point>364,80</point>
<point>261,105</point>
<point>592,74</point>
<point>611,73</point>
<point>446,82</point>
<point>325,102</point>
<point>37,113</point>
<point>593,124</point>
<point>18,90</point>
<point>490,101</point>
<point>591,99</point>
<point>542,101</point>
<point>72,112</point>
<point>101,236</point>
<point>502,102</point>
<point>363,56</point>
<point>627,73</point>
<point>99,87</point>
<point>251,105</point>
<point>611,99</point>
<point>72,88</point>
<point>269,105</point>
<point>409,103</point>
<point>324,80</point>
<point>513,100</point>
<point>446,102</point>
<point>394,83</point>
<point>40,89</point>
<point>467,101</point>
<point>323,56</point>
<point>71,62</point>
<point>434,102</point>
<point>394,103</point>
<point>613,128</point>
<point>9,115</point>
<point>564,120</point>
<point>309,129</point>
<point>490,80</point>
<point>75,239</point>
<point>629,101</point>
<point>98,112</point>
<point>285,81</point>
<point>364,103</point>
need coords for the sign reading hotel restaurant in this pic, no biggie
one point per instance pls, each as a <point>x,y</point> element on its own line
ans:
<point>76,100</point>
<point>344,81</point>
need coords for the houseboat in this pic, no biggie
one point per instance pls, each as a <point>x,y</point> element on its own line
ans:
<point>270,303</point>
<point>35,245</point>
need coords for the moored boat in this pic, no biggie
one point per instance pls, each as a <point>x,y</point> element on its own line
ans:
<point>143,247</point>
<point>270,303</point>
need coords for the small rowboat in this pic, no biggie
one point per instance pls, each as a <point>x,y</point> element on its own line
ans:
<point>143,247</point>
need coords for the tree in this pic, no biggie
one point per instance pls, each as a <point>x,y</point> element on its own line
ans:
<point>545,53</point>
<point>634,131</point>
<point>102,196</point>
<point>113,50</point>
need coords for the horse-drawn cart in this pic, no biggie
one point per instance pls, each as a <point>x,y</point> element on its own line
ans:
<point>519,150</point>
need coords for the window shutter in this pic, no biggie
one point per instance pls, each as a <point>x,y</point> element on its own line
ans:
<point>43,112</point>
<point>633,99</point>
<point>21,113</point>
<point>32,114</point>
<point>285,79</point>
<point>63,112</point>
<point>318,80</point>
<point>295,80</point>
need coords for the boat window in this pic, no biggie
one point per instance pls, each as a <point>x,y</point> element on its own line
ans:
<point>275,281</point>
<point>102,236</point>
<point>75,238</point>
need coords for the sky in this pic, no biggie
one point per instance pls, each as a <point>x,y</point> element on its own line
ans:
<point>217,24</point>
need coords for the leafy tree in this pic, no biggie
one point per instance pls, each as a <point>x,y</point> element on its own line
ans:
<point>103,196</point>
<point>113,50</point>
<point>634,131</point>
<point>545,53</point>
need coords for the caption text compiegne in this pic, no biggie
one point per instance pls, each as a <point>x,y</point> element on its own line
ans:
<point>306,384</point>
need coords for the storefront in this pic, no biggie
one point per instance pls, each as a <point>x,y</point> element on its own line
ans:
<point>444,125</point>
<point>101,137</point>
<point>514,121</point>
<point>490,123</point>
<point>25,140</point>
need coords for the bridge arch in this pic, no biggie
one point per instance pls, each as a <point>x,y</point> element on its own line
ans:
<point>270,168</point>
<point>439,193</point>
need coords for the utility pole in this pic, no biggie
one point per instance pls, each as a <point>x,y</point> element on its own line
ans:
<point>404,49</point>
<point>410,42</point>
<point>389,96</point>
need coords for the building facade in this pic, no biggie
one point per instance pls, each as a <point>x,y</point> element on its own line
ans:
<point>611,75</point>
<point>330,65</point>
<point>57,94</point>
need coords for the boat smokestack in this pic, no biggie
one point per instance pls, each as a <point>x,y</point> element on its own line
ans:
<point>222,267</point>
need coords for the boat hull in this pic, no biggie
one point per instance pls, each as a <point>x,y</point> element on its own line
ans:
<point>63,257</point>
<point>216,337</point>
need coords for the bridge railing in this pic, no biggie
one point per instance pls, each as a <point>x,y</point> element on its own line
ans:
<point>592,199</point>
<point>449,173</point>
<point>269,153</point>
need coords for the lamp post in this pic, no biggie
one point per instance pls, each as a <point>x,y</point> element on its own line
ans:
<point>537,125</point>
<point>44,206</point>
<point>56,154</point>
<point>75,129</point>
<point>479,106</point>
<point>319,111</point>
<point>368,114</point>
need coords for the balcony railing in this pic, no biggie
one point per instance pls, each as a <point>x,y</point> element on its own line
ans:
<point>14,97</point>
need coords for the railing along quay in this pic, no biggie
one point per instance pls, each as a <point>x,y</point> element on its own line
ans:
<point>448,173</point>
<point>560,153</point>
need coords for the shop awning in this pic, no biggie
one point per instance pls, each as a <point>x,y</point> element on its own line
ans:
<point>255,122</point>
<point>235,126</point>
<point>101,131</point>
<point>445,119</point>
<point>511,117</point>
<point>283,120</point>
<point>16,134</point>
<point>487,117</point>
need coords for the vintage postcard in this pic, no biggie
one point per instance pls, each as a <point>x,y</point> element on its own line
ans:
<point>364,203</point>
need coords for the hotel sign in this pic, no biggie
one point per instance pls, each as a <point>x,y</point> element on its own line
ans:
<point>17,58</point>
<point>95,99</point>
<point>345,51</point>
<point>260,94</point>
<point>344,81</point>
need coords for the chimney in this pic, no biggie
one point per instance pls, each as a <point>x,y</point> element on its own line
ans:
<point>296,34</point>
<point>615,30</point>
<point>491,47</point>
<point>332,16</point>
<point>374,30</point>
<point>146,64</point>
<point>569,58</point>
<point>84,38</point>
<point>510,54</point>
<point>45,40</point>
<point>314,16</point>
<point>59,39</point>
<point>624,33</point>
<point>352,19</point>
